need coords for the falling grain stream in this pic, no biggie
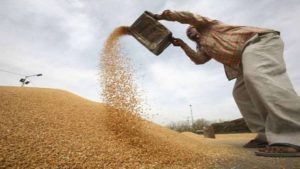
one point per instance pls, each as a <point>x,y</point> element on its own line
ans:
<point>124,109</point>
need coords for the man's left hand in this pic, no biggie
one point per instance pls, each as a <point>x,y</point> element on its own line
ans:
<point>177,42</point>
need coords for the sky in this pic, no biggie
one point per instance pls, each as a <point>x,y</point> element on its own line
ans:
<point>63,39</point>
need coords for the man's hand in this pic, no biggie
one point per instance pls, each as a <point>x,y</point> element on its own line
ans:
<point>166,13</point>
<point>177,42</point>
<point>161,16</point>
<point>155,16</point>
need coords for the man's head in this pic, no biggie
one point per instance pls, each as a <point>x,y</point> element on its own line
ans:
<point>192,33</point>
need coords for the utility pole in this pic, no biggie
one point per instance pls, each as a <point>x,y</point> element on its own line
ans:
<point>192,118</point>
<point>188,119</point>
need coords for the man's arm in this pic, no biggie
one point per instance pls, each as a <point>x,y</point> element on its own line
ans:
<point>198,57</point>
<point>184,17</point>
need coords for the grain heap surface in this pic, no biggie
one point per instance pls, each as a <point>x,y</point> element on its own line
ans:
<point>48,128</point>
<point>52,128</point>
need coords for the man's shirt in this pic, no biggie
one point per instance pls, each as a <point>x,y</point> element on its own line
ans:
<point>225,43</point>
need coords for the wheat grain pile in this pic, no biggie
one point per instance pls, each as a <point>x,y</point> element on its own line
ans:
<point>42,128</point>
<point>48,128</point>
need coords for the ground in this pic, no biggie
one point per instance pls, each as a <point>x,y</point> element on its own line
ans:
<point>244,158</point>
<point>49,128</point>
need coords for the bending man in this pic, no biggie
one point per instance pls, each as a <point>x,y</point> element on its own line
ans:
<point>263,91</point>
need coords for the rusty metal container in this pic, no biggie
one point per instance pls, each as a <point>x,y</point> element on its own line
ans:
<point>152,34</point>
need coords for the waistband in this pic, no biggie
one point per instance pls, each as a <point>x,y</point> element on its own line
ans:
<point>268,33</point>
<point>260,35</point>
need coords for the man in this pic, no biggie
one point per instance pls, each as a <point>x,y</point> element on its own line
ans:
<point>263,91</point>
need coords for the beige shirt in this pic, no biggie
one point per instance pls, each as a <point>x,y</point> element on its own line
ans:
<point>225,43</point>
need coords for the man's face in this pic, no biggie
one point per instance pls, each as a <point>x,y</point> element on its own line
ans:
<point>192,33</point>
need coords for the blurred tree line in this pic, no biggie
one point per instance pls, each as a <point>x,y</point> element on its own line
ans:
<point>186,126</point>
<point>219,126</point>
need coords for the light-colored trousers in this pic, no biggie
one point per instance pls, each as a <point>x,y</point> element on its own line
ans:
<point>264,93</point>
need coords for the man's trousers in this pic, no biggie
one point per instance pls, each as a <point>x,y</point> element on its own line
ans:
<point>264,93</point>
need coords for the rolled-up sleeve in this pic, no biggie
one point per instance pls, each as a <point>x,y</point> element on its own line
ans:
<point>185,17</point>
<point>198,57</point>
